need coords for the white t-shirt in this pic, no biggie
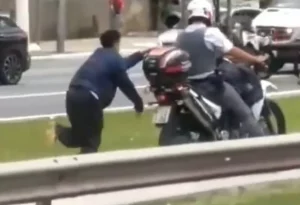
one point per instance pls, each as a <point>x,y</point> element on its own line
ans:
<point>214,36</point>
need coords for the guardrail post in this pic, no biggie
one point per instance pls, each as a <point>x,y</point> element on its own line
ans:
<point>44,202</point>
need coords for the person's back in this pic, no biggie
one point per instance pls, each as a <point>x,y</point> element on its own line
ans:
<point>93,88</point>
<point>205,45</point>
<point>97,73</point>
<point>203,54</point>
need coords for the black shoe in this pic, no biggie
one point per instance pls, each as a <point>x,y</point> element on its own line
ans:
<point>60,134</point>
<point>64,136</point>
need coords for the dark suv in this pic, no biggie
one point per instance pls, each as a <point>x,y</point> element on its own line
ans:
<point>14,56</point>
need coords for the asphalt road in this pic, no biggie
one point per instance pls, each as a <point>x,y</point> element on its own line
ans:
<point>41,90</point>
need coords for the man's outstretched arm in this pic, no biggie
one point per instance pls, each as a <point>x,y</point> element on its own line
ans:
<point>127,87</point>
<point>134,58</point>
<point>124,83</point>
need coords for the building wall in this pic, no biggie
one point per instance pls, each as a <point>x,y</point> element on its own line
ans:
<point>7,5</point>
<point>85,18</point>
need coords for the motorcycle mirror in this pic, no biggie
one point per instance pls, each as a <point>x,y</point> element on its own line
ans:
<point>265,41</point>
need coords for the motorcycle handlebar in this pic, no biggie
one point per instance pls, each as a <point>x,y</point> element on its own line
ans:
<point>260,70</point>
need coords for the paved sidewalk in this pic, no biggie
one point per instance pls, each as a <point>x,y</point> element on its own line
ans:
<point>89,45</point>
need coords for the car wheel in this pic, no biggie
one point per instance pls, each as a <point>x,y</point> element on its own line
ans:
<point>11,68</point>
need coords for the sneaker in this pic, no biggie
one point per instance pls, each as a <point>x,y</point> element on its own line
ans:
<point>51,133</point>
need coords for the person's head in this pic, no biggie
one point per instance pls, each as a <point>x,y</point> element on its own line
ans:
<point>200,12</point>
<point>110,39</point>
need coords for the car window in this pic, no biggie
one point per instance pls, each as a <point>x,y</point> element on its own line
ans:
<point>7,23</point>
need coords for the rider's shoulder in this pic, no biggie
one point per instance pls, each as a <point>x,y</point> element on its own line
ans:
<point>215,32</point>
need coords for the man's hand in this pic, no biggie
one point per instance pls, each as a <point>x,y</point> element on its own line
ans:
<point>139,108</point>
<point>145,52</point>
<point>261,61</point>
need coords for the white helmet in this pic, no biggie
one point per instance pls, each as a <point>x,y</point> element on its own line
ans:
<point>201,8</point>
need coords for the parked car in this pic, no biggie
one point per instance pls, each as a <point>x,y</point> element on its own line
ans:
<point>280,21</point>
<point>14,56</point>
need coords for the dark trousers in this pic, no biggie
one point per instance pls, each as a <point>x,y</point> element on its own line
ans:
<point>86,118</point>
<point>244,80</point>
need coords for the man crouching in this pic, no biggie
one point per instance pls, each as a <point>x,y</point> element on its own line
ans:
<point>92,89</point>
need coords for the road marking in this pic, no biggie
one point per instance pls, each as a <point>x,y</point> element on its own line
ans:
<point>75,55</point>
<point>46,94</point>
<point>49,94</point>
<point>136,75</point>
<point>32,95</point>
<point>283,76</point>
<point>127,108</point>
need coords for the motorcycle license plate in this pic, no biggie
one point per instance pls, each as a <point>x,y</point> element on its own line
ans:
<point>162,115</point>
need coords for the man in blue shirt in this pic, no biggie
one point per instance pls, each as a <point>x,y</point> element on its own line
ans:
<point>92,89</point>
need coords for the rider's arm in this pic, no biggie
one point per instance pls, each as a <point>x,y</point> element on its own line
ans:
<point>226,47</point>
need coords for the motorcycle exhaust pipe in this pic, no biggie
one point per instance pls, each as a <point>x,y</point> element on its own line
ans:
<point>200,114</point>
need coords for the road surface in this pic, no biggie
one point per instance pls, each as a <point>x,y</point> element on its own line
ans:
<point>41,90</point>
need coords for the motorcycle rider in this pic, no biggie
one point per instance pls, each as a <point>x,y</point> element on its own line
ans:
<point>236,73</point>
<point>205,44</point>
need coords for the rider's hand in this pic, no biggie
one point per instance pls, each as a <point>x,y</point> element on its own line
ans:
<point>261,61</point>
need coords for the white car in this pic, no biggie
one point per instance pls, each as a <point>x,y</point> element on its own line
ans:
<point>280,21</point>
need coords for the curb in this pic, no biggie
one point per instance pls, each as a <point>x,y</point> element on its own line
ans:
<point>34,47</point>
<point>272,95</point>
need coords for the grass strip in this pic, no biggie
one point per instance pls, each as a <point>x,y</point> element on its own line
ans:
<point>26,140</point>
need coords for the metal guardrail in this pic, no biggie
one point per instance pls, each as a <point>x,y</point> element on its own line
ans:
<point>237,190</point>
<point>53,178</point>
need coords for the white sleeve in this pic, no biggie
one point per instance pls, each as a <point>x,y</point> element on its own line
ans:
<point>217,38</point>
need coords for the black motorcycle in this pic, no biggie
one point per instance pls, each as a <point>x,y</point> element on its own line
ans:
<point>186,117</point>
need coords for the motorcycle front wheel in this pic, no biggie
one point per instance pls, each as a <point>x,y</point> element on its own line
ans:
<point>273,118</point>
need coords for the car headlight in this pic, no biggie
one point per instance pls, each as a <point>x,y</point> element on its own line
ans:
<point>281,34</point>
<point>289,31</point>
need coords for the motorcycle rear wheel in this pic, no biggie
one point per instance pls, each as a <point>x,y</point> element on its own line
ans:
<point>169,137</point>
